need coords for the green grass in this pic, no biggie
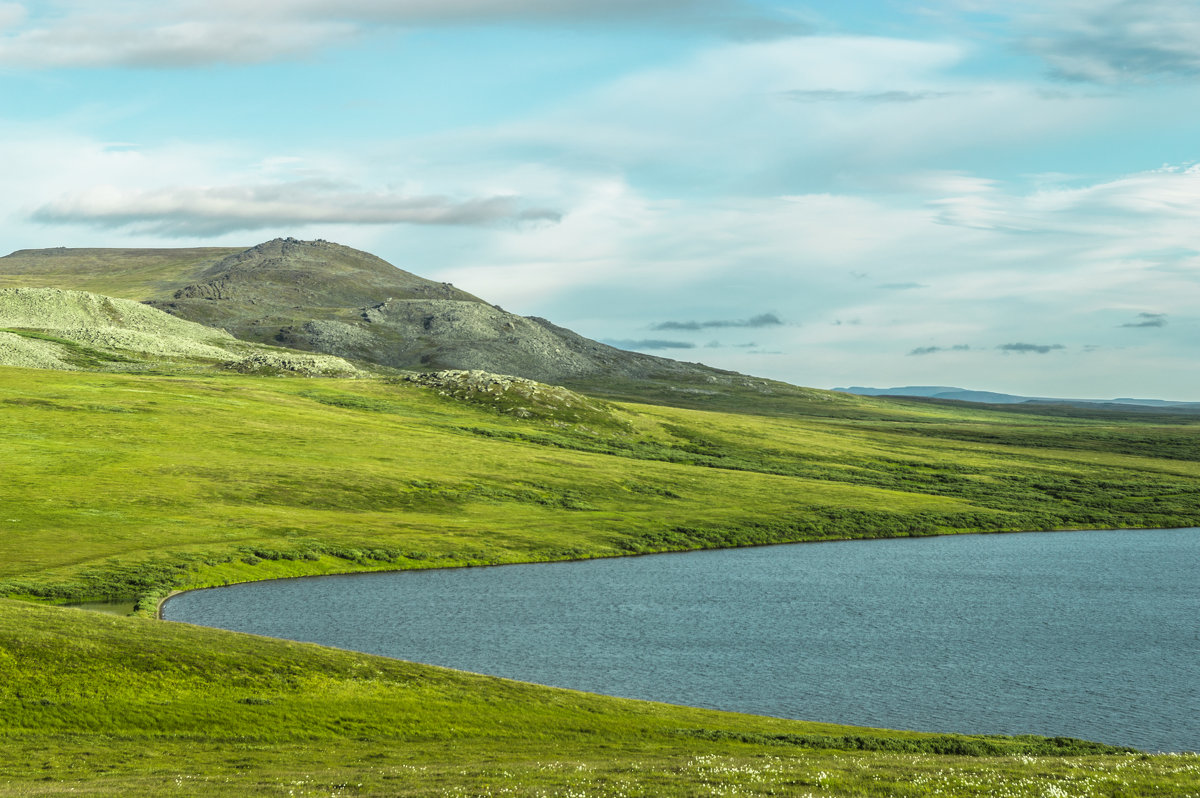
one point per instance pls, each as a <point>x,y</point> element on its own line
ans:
<point>99,705</point>
<point>119,486</point>
<point>165,482</point>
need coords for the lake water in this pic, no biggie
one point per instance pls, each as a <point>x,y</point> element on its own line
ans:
<point>1082,634</point>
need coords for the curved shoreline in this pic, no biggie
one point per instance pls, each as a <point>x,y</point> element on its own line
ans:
<point>162,601</point>
<point>706,700</point>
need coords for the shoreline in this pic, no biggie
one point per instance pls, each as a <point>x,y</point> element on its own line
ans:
<point>868,723</point>
<point>172,594</point>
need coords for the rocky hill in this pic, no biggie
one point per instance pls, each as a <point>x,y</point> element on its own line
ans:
<point>326,298</point>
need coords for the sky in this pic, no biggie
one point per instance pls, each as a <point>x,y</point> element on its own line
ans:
<point>990,194</point>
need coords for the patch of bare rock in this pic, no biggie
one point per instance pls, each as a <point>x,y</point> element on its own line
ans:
<point>299,364</point>
<point>515,396</point>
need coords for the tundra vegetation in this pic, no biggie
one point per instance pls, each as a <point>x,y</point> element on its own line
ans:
<point>128,486</point>
<point>144,454</point>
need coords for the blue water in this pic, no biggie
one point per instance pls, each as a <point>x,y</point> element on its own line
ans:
<point>1082,634</point>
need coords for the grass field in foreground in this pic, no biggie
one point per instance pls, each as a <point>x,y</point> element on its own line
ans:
<point>98,705</point>
<point>130,486</point>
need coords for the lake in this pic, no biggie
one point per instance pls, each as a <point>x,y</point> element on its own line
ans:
<point>1082,634</point>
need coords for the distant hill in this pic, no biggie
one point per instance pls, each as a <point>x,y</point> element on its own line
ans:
<point>136,274</point>
<point>993,398</point>
<point>323,297</point>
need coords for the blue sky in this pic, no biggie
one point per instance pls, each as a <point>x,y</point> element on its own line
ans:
<point>994,195</point>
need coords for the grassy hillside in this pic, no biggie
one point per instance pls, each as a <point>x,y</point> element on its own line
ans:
<point>125,273</point>
<point>128,486</point>
<point>162,482</point>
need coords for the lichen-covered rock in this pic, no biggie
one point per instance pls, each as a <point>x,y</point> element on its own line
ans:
<point>76,329</point>
<point>51,328</point>
<point>28,353</point>
<point>53,309</point>
<point>336,336</point>
<point>300,364</point>
<point>519,397</point>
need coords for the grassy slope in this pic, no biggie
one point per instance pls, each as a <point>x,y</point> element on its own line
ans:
<point>194,474</point>
<point>117,485</point>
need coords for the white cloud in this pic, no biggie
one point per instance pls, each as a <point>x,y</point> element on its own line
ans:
<point>11,14</point>
<point>187,33</point>
<point>56,185</point>
<point>1168,198</point>
<point>726,119</point>
<point>189,211</point>
<point>476,11</point>
<point>616,239</point>
<point>102,39</point>
<point>1073,282</point>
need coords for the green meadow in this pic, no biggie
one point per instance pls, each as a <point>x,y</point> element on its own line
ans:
<point>127,487</point>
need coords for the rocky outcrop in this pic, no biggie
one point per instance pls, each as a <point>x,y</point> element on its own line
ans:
<point>292,363</point>
<point>520,397</point>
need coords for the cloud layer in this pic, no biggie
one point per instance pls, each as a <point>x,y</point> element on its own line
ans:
<point>185,34</point>
<point>650,343</point>
<point>207,211</point>
<point>1148,320</point>
<point>761,320</point>
<point>1030,349</point>
<point>1115,41</point>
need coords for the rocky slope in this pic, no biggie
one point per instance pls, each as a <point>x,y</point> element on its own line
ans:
<point>52,328</point>
<point>324,297</point>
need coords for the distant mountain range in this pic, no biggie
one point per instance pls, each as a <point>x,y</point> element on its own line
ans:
<point>993,398</point>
